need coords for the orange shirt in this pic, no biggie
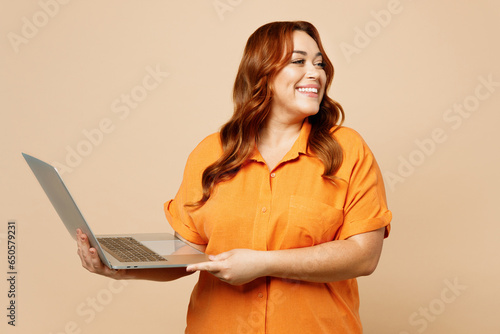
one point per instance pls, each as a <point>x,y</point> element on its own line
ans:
<point>290,207</point>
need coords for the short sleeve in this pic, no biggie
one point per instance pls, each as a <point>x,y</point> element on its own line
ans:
<point>178,215</point>
<point>365,207</point>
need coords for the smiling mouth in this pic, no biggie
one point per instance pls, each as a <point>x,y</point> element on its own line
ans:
<point>311,92</point>
<point>308,90</point>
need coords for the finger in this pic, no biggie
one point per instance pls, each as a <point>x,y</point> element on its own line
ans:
<point>94,257</point>
<point>212,267</point>
<point>80,245</point>
<point>195,267</point>
<point>95,261</point>
<point>220,257</point>
<point>79,235</point>
<point>84,251</point>
<point>80,255</point>
<point>83,245</point>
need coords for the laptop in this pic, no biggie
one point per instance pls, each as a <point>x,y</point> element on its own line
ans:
<point>117,251</point>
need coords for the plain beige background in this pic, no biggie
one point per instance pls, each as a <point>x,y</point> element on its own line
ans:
<point>419,79</point>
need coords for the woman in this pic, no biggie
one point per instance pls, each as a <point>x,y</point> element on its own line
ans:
<point>290,205</point>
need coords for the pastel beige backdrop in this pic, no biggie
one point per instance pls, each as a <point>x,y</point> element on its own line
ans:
<point>118,93</point>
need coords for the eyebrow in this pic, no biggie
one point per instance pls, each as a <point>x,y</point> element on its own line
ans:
<point>319,54</point>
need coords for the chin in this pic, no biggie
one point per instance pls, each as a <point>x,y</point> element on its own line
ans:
<point>309,111</point>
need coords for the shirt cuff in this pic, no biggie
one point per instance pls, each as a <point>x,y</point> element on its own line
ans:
<point>366,225</point>
<point>178,225</point>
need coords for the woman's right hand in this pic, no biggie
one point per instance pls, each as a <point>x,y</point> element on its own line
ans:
<point>90,259</point>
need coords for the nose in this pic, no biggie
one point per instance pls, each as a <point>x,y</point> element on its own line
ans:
<point>312,72</point>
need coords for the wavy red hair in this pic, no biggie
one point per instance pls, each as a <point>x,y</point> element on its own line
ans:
<point>268,50</point>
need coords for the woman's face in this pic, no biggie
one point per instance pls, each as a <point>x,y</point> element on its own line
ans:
<point>299,87</point>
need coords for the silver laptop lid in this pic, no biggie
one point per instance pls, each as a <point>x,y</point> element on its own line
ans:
<point>62,201</point>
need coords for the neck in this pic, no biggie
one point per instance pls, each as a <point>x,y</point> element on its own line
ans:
<point>275,133</point>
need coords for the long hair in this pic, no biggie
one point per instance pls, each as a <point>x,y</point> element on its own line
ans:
<point>268,50</point>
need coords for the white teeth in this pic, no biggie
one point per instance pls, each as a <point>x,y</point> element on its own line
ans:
<point>308,90</point>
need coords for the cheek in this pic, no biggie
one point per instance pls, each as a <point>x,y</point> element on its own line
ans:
<point>323,78</point>
<point>281,84</point>
<point>323,82</point>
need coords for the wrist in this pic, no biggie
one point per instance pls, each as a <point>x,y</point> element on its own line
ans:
<point>120,274</point>
<point>265,263</point>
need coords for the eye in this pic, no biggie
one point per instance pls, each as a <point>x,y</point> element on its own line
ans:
<point>320,65</point>
<point>298,61</point>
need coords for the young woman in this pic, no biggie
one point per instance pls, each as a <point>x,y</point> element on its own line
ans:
<point>289,204</point>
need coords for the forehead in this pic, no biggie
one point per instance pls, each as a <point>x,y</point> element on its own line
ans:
<point>303,42</point>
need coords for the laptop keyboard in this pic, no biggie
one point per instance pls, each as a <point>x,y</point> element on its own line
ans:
<point>127,249</point>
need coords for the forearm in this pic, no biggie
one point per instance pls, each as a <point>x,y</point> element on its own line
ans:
<point>161,274</point>
<point>327,262</point>
<point>91,261</point>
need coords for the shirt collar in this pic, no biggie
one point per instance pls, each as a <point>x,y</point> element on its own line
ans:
<point>299,147</point>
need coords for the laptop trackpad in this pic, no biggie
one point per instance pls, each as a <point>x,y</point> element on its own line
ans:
<point>170,247</point>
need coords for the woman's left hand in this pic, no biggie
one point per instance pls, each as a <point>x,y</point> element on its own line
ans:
<point>236,267</point>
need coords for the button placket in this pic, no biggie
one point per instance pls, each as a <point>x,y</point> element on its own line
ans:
<point>262,211</point>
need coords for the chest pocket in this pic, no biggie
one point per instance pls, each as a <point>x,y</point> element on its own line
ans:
<point>310,222</point>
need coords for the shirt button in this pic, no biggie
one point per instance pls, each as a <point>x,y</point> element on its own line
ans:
<point>273,175</point>
<point>260,295</point>
<point>264,209</point>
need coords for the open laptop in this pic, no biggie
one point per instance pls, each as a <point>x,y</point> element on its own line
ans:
<point>117,251</point>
